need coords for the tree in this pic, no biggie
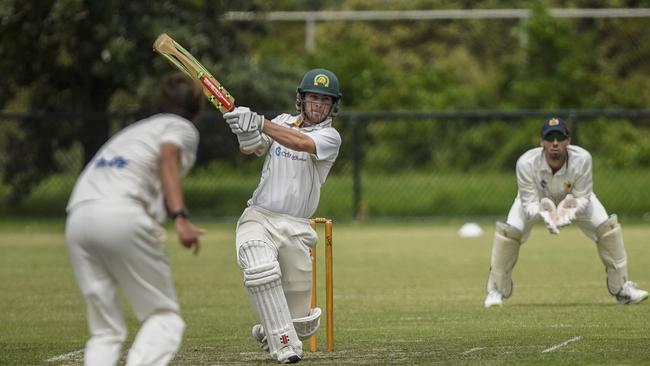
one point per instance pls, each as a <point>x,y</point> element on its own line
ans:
<point>82,57</point>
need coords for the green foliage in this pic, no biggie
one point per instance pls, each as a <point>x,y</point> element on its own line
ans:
<point>446,145</point>
<point>619,144</point>
<point>96,56</point>
<point>361,72</point>
<point>560,69</point>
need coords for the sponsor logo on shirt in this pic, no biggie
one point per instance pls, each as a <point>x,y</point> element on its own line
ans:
<point>543,183</point>
<point>280,152</point>
<point>117,162</point>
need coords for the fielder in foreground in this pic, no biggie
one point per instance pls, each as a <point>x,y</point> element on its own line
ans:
<point>555,184</point>
<point>114,230</point>
<point>274,237</point>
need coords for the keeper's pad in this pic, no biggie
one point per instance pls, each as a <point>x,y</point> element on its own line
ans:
<point>505,251</point>
<point>307,326</point>
<point>263,279</point>
<point>611,250</point>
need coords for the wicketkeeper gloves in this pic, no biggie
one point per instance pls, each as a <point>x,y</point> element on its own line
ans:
<point>549,215</point>
<point>566,211</point>
<point>563,215</point>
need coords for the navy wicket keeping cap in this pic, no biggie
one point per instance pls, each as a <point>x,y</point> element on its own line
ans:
<point>554,125</point>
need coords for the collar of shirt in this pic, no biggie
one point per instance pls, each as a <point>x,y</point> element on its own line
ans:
<point>298,124</point>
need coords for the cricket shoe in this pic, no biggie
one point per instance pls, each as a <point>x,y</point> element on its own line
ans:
<point>288,355</point>
<point>258,334</point>
<point>493,298</point>
<point>629,294</point>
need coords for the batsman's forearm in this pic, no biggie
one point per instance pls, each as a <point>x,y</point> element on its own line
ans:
<point>287,137</point>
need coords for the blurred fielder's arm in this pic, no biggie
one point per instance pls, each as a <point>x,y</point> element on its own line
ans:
<point>170,179</point>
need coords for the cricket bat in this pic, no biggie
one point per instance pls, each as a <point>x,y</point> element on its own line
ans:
<point>182,59</point>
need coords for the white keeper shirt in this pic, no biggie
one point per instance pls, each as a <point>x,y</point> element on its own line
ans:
<point>126,167</point>
<point>535,179</point>
<point>291,180</point>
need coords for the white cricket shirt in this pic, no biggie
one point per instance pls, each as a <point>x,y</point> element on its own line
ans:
<point>291,180</point>
<point>535,179</point>
<point>127,165</point>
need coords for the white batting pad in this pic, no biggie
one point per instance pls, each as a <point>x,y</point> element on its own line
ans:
<point>612,252</point>
<point>505,252</point>
<point>157,340</point>
<point>263,279</point>
<point>308,325</point>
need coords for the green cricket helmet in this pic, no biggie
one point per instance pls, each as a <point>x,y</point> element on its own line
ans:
<point>319,81</point>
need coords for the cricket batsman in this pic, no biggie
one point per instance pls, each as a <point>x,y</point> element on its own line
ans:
<point>555,185</point>
<point>274,237</point>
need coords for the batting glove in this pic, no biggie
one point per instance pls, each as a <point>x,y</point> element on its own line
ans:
<point>242,119</point>
<point>249,141</point>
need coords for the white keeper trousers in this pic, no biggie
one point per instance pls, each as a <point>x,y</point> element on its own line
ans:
<point>587,220</point>
<point>291,239</point>
<point>117,243</point>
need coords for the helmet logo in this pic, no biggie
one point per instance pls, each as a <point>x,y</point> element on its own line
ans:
<point>553,122</point>
<point>322,80</point>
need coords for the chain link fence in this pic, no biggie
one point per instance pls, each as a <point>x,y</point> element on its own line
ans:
<point>391,165</point>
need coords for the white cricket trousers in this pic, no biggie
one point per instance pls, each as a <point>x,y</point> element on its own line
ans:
<point>291,239</point>
<point>588,220</point>
<point>117,243</point>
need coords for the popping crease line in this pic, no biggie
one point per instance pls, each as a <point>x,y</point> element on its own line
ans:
<point>472,350</point>
<point>562,344</point>
<point>64,356</point>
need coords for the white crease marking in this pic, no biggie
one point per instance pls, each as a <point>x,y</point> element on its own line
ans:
<point>472,350</point>
<point>562,344</point>
<point>64,356</point>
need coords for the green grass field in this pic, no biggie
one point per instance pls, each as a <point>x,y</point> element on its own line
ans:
<point>404,294</point>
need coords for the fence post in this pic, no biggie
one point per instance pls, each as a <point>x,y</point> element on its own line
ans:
<point>356,168</point>
<point>574,127</point>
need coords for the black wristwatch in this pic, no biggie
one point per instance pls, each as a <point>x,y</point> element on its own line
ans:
<point>183,212</point>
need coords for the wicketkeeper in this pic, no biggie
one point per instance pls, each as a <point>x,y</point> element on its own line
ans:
<point>114,231</point>
<point>555,185</point>
<point>274,237</point>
